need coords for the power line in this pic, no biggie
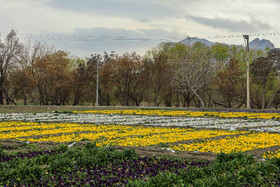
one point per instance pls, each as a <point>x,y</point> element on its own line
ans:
<point>91,38</point>
<point>87,38</point>
<point>240,35</point>
<point>95,38</point>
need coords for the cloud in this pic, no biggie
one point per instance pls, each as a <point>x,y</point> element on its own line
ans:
<point>241,25</point>
<point>128,25</point>
<point>98,40</point>
<point>138,10</point>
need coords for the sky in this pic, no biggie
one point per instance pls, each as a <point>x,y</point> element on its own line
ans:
<point>84,27</point>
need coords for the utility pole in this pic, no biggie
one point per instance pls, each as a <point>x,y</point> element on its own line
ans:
<point>97,82</point>
<point>246,39</point>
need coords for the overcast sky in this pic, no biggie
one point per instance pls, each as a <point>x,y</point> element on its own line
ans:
<point>93,26</point>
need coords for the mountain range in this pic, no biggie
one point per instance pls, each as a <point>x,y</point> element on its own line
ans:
<point>254,44</point>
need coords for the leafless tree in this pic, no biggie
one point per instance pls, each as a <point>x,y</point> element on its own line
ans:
<point>195,71</point>
<point>9,49</point>
<point>29,55</point>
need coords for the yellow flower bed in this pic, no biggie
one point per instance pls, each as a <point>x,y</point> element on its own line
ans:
<point>29,126</point>
<point>101,135</point>
<point>16,124</point>
<point>55,128</point>
<point>105,134</point>
<point>23,130</point>
<point>187,113</point>
<point>168,138</point>
<point>271,154</point>
<point>135,136</point>
<point>236,144</point>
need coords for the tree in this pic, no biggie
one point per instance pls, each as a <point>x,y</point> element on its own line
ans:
<point>227,81</point>
<point>93,62</point>
<point>80,80</point>
<point>9,49</point>
<point>50,75</point>
<point>220,52</point>
<point>274,55</point>
<point>177,55</point>
<point>107,70</point>
<point>261,69</point>
<point>58,78</point>
<point>19,84</point>
<point>130,79</point>
<point>24,75</point>
<point>158,74</point>
<point>193,69</point>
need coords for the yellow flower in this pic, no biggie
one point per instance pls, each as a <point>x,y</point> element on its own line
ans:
<point>187,113</point>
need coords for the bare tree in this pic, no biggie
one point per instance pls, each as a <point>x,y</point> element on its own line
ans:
<point>194,72</point>
<point>28,58</point>
<point>9,49</point>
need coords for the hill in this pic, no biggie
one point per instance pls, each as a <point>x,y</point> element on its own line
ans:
<point>254,44</point>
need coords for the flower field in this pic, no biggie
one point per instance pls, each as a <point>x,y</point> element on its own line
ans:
<point>141,128</point>
<point>170,133</point>
<point>234,144</point>
<point>253,115</point>
<point>151,119</point>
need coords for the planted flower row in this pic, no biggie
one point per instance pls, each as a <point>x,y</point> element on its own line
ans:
<point>87,165</point>
<point>94,166</point>
<point>76,128</point>
<point>27,155</point>
<point>134,136</point>
<point>228,170</point>
<point>151,120</point>
<point>253,115</point>
<point>117,173</point>
<point>235,144</point>
<point>143,136</point>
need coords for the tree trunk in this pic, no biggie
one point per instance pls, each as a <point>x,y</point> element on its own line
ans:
<point>1,93</point>
<point>196,94</point>
<point>188,103</point>
<point>106,99</point>
<point>155,98</point>
<point>177,104</point>
<point>220,104</point>
<point>8,99</point>
<point>25,99</point>
<point>168,100</point>
<point>272,99</point>
<point>202,103</point>
<point>188,99</point>
<point>229,100</point>
<point>263,94</point>
<point>1,97</point>
<point>209,100</point>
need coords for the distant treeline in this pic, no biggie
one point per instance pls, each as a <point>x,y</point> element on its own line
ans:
<point>168,75</point>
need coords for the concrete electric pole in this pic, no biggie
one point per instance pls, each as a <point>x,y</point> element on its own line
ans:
<point>97,83</point>
<point>246,39</point>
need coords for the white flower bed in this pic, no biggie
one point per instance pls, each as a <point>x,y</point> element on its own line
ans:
<point>195,122</point>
